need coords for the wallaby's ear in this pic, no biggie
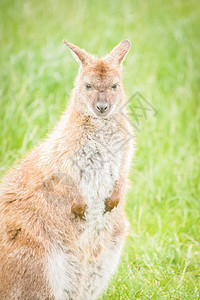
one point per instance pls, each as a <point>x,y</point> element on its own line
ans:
<point>118,54</point>
<point>80,55</point>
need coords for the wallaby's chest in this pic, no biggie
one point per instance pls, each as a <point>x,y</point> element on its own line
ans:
<point>97,164</point>
<point>97,161</point>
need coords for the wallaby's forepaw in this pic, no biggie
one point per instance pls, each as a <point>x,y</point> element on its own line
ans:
<point>110,203</point>
<point>78,209</point>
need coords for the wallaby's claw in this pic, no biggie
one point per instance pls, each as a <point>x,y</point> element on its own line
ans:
<point>78,209</point>
<point>111,203</point>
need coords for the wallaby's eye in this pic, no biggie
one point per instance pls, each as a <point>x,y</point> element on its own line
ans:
<point>88,86</point>
<point>114,86</point>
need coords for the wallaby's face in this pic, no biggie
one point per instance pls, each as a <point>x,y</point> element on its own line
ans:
<point>100,89</point>
<point>98,85</point>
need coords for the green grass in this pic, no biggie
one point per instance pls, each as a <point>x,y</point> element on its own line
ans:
<point>161,259</point>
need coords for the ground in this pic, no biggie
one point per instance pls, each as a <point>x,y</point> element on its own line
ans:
<point>161,257</point>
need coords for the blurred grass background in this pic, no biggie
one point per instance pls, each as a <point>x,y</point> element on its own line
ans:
<point>161,259</point>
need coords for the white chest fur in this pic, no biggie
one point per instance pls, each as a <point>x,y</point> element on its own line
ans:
<point>97,163</point>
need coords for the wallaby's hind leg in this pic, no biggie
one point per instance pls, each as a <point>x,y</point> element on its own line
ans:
<point>22,275</point>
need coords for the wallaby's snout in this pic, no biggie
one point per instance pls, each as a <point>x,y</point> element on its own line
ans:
<point>101,107</point>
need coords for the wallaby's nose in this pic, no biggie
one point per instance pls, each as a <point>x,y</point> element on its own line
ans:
<point>101,106</point>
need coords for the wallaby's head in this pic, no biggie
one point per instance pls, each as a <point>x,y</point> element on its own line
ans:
<point>98,88</point>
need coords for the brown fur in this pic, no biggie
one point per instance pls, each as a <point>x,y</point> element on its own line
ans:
<point>101,68</point>
<point>39,210</point>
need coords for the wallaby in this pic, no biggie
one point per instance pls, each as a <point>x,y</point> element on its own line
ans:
<point>62,220</point>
